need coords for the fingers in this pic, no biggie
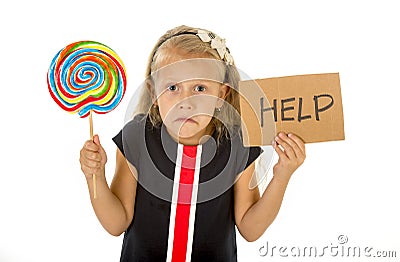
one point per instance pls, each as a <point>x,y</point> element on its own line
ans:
<point>300,144</point>
<point>291,152</point>
<point>293,145</point>
<point>92,158</point>
<point>290,146</point>
<point>90,154</point>
<point>279,150</point>
<point>91,146</point>
<point>101,150</point>
<point>287,145</point>
<point>96,140</point>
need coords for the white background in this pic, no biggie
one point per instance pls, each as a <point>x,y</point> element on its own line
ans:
<point>344,188</point>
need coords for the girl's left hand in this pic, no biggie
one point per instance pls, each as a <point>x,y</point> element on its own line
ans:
<point>292,153</point>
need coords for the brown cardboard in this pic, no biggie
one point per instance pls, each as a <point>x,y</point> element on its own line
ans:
<point>309,106</point>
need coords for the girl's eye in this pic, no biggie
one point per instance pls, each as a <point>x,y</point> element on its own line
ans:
<point>200,89</point>
<point>172,88</point>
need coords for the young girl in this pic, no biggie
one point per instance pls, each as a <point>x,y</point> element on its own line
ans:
<point>181,183</point>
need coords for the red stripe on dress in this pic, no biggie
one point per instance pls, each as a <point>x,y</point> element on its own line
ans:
<point>183,204</point>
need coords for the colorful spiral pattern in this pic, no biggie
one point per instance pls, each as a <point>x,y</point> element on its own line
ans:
<point>87,76</point>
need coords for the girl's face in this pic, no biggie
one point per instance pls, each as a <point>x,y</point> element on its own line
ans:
<point>187,104</point>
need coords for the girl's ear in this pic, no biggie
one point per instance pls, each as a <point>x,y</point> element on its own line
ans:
<point>223,93</point>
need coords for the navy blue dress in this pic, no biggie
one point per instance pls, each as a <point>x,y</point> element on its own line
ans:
<point>154,154</point>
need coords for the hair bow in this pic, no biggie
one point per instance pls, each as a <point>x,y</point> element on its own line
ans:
<point>217,43</point>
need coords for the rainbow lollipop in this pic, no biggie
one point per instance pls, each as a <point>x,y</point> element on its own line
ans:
<point>86,77</point>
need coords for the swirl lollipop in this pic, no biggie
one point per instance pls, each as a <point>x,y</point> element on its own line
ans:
<point>86,77</point>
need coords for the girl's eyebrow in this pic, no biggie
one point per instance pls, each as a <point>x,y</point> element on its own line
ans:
<point>163,82</point>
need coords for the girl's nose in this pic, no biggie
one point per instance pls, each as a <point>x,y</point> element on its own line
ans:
<point>186,101</point>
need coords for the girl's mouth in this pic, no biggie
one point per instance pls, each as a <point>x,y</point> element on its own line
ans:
<point>185,119</point>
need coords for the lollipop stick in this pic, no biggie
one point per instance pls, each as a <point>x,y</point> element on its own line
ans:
<point>91,138</point>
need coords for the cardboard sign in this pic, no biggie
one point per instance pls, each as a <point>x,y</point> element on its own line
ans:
<point>309,106</point>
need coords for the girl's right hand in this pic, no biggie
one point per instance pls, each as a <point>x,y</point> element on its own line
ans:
<point>93,158</point>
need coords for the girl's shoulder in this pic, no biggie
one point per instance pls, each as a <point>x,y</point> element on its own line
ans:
<point>130,132</point>
<point>137,120</point>
<point>138,125</point>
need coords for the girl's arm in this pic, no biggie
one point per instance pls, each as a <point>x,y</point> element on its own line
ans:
<point>253,215</point>
<point>113,205</point>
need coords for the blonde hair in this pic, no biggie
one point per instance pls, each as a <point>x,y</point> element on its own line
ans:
<point>184,38</point>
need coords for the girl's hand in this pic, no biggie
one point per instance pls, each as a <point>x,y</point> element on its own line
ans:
<point>93,158</point>
<point>292,153</point>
